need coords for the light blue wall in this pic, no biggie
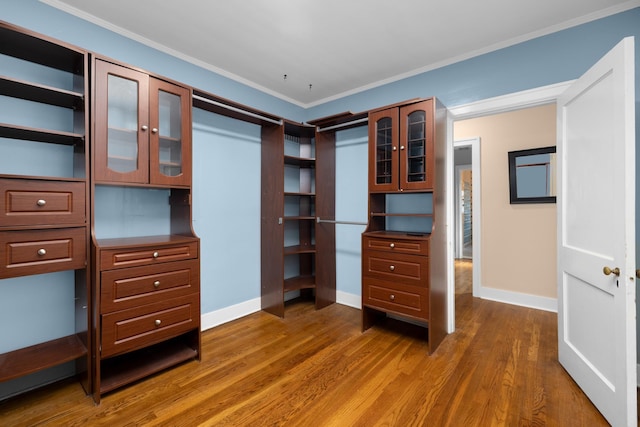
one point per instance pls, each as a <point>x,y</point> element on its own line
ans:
<point>226,183</point>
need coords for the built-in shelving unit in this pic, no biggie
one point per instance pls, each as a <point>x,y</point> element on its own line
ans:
<point>45,191</point>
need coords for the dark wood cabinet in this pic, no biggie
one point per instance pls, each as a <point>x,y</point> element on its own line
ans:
<point>149,302</point>
<point>401,147</point>
<point>298,186</point>
<point>142,128</point>
<point>44,189</point>
<point>404,246</point>
<point>146,288</point>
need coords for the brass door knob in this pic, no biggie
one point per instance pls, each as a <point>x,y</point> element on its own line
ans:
<point>607,271</point>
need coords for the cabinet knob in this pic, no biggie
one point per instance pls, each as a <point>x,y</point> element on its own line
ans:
<point>42,252</point>
<point>144,127</point>
<point>154,130</point>
<point>392,297</point>
<point>41,202</point>
<point>395,148</point>
<point>158,322</point>
<point>156,283</point>
<point>402,147</point>
<point>156,254</point>
<point>392,267</point>
<point>392,245</point>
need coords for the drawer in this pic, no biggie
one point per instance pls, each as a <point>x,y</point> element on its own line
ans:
<point>42,251</point>
<point>149,324</point>
<point>33,202</point>
<point>399,245</point>
<point>135,286</point>
<point>396,297</point>
<point>409,269</point>
<point>133,256</point>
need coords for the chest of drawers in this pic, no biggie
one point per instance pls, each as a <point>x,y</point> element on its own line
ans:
<point>395,274</point>
<point>149,304</point>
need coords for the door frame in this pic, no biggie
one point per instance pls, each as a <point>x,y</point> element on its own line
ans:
<point>501,104</point>
<point>476,211</point>
<point>459,222</point>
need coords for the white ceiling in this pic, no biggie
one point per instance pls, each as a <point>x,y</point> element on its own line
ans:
<point>331,48</point>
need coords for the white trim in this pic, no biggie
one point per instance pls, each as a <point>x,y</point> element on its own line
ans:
<point>513,101</point>
<point>517,298</point>
<point>476,212</point>
<point>457,211</point>
<point>350,300</point>
<point>500,104</point>
<point>227,314</point>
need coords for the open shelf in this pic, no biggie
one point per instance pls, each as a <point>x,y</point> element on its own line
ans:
<point>121,370</point>
<point>299,249</point>
<point>40,135</point>
<point>299,282</point>
<point>40,93</point>
<point>300,161</point>
<point>41,356</point>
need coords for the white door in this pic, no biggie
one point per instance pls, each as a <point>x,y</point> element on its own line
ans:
<point>596,229</point>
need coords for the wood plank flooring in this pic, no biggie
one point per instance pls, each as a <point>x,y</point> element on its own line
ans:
<point>316,368</point>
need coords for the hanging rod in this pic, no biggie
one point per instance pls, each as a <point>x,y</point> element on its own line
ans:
<point>237,110</point>
<point>331,221</point>
<point>341,125</point>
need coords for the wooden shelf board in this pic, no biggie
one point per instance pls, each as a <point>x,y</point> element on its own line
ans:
<point>292,193</point>
<point>298,218</point>
<point>298,249</point>
<point>40,135</point>
<point>17,88</point>
<point>41,356</point>
<point>144,241</point>
<point>299,282</point>
<point>300,161</point>
<point>121,370</point>
<point>422,215</point>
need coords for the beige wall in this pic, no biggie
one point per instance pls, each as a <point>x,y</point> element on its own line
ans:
<point>518,241</point>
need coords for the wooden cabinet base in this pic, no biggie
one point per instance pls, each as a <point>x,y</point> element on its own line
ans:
<point>122,370</point>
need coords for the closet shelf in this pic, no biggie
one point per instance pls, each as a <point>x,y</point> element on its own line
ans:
<point>17,88</point>
<point>40,135</point>
<point>28,360</point>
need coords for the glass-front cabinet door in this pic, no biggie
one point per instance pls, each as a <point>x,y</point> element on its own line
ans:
<point>383,150</point>
<point>170,138</point>
<point>121,124</point>
<point>416,146</point>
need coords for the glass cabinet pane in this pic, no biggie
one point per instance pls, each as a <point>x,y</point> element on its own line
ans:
<point>384,149</point>
<point>122,122</point>
<point>170,133</point>
<point>416,123</point>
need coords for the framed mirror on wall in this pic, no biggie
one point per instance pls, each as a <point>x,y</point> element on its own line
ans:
<point>532,175</point>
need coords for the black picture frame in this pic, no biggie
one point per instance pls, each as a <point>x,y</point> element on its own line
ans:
<point>514,157</point>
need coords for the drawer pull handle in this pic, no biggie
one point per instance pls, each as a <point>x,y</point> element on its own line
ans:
<point>158,322</point>
<point>156,254</point>
<point>392,267</point>
<point>41,202</point>
<point>392,297</point>
<point>156,283</point>
<point>42,252</point>
<point>392,245</point>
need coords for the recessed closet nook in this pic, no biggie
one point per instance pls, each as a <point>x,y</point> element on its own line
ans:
<point>97,213</point>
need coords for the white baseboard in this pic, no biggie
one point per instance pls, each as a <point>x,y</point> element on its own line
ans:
<point>227,314</point>
<point>348,299</point>
<point>517,298</point>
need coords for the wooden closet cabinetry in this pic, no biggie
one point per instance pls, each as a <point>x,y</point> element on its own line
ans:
<point>401,148</point>
<point>404,244</point>
<point>146,288</point>
<point>298,185</point>
<point>142,128</point>
<point>43,202</point>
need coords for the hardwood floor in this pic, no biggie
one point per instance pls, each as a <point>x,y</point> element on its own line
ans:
<point>316,368</point>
